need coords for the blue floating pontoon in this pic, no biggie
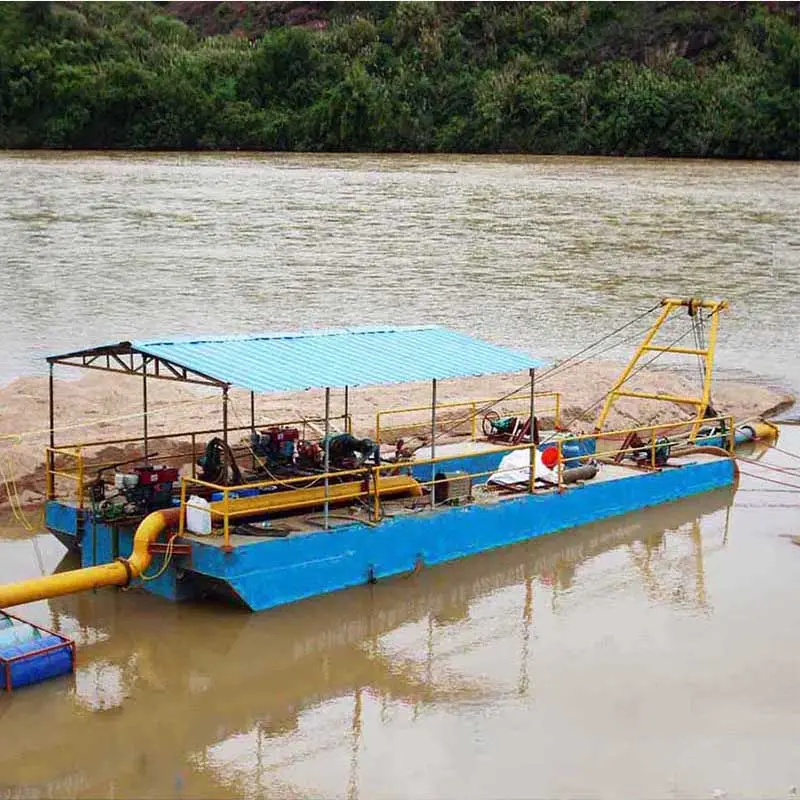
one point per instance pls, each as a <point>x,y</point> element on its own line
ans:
<point>31,654</point>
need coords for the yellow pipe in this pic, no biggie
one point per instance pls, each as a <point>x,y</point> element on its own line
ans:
<point>118,573</point>
<point>391,485</point>
<point>77,580</point>
<point>763,429</point>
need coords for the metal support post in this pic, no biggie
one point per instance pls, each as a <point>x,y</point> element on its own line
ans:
<point>347,409</point>
<point>253,425</point>
<point>433,442</point>
<point>376,500</point>
<point>653,448</point>
<point>532,451</point>
<point>182,518</point>
<point>560,466</point>
<point>144,407</point>
<point>225,429</point>
<point>52,410</point>
<point>226,522</point>
<point>327,454</point>
<point>51,456</point>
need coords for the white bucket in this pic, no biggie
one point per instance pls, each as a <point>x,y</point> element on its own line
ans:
<point>198,515</point>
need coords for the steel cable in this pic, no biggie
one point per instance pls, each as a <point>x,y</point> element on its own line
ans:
<point>558,368</point>
<point>635,372</point>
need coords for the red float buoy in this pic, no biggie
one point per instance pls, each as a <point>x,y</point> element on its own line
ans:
<point>550,457</point>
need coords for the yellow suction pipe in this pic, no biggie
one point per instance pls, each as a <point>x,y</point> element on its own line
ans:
<point>122,571</point>
<point>118,573</point>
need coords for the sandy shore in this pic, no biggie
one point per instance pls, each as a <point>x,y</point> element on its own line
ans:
<point>100,406</point>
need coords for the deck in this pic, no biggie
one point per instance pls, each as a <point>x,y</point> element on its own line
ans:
<point>305,522</point>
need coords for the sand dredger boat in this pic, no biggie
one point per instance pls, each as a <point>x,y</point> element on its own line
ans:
<point>314,513</point>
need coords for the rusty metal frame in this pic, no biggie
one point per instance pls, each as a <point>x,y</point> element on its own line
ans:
<point>125,359</point>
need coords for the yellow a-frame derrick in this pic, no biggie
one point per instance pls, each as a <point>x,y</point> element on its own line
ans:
<point>669,305</point>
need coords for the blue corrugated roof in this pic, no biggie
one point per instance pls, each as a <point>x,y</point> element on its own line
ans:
<point>335,358</point>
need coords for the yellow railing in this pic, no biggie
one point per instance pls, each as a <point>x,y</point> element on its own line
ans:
<point>651,440</point>
<point>260,425</point>
<point>476,407</point>
<point>226,513</point>
<point>77,475</point>
<point>433,462</point>
<point>78,450</point>
<point>370,477</point>
<point>315,423</point>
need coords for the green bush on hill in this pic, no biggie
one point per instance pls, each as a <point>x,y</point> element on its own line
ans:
<point>672,79</point>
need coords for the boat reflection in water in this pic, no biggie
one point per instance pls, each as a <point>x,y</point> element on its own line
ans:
<point>171,699</point>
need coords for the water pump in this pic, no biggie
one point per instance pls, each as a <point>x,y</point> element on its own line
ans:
<point>276,445</point>
<point>136,493</point>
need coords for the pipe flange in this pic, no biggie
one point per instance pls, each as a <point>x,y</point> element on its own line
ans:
<point>128,570</point>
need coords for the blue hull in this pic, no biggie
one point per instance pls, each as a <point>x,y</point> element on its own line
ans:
<point>272,572</point>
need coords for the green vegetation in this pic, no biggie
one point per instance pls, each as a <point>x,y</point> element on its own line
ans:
<point>674,79</point>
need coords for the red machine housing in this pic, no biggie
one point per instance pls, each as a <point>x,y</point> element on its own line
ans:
<point>150,475</point>
<point>280,435</point>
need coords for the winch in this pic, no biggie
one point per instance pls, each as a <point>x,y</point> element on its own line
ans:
<point>640,451</point>
<point>494,426</point>
<point>509,429</point>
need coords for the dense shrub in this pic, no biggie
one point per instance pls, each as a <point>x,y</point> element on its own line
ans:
<point>682,79</point>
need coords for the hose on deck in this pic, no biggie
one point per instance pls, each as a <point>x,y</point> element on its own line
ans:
<point>119,573</point>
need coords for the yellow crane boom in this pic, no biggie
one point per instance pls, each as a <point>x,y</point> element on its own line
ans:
<point>669,305</point>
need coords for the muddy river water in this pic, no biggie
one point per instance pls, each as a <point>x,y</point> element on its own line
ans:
<point>545,253</point>
<point>651,656</point>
